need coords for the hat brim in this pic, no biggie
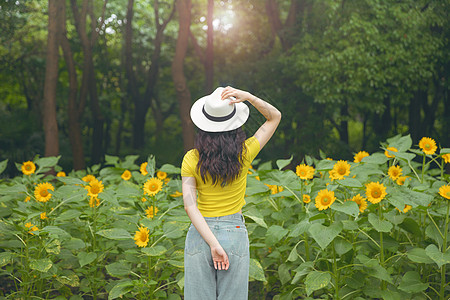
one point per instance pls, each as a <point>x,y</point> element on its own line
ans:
<point>205,124</point>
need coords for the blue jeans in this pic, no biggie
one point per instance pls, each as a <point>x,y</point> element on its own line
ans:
<point>201,280</point>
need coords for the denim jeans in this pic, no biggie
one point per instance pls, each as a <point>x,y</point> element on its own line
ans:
<point>201,280</point>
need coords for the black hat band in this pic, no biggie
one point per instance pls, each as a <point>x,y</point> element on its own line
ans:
<point>219,119</point>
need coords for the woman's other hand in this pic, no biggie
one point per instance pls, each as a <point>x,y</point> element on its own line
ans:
<point>220,258</point>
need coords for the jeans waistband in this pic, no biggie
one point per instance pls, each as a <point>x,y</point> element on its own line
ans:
<point>236,216</point>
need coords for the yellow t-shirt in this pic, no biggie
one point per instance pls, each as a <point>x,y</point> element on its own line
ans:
<point>215,200</point>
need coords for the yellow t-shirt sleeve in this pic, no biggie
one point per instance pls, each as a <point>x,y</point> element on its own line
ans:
<point>189,164</point>
<point>253,148</point>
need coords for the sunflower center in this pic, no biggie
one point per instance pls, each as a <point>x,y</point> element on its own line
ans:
<point>44,193</point>
<point>303,173</point>
<point>143,237</point>
<point>376,193</point>
<point>341,171</point>
<point>153,187</point>
<point>448,193</point>
<point>427,146</point>
<point>325,200</point>
<point>95,189</point>
<point>28,167</point>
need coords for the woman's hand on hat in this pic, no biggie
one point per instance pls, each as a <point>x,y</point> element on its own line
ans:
<point>235,95</point>
<point>220,258</point>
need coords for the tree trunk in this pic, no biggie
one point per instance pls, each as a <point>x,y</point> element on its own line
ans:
<point>51,80</point>
<point>73,111</point>
<point>179,79</point>
<point>209,57</point>
<point>343,126</point>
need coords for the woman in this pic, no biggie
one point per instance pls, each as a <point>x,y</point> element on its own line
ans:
<point>217,248</point>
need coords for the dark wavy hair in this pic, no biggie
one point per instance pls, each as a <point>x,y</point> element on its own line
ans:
<point>220,155</point>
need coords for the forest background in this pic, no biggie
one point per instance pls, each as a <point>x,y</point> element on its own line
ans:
<point>85,78</point>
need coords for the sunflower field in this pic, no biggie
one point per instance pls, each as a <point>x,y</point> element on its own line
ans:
<point>372,228</point>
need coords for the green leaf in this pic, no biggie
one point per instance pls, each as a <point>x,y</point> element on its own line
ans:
<point>419,255</point>
<point>6,258</point>
<point>68,215</point>
<point>445,151</point>
<point>405,156</point>
<point>170,169</point>
<point>47,162</point>
<point>316,280</point>
<point>432,232</point>
<point>342,246</point>
<point>256,271</point>
<point>41,265</point>
<point>54,230</point>
<point>68,277</point>
<point>154,251</point>
<point>350,182</point>
<point>325,235</point>
<point>299,228</point>
<point>115,234</point>
<point>86,258</point>
<point>378,224</point>
<point>284,274</point>
<point>174,230</point>
<point>111,160</point>
<point>120,289</point>
<point>348,207</point>
<point>411,283</point>
<point>118,269</point>
<point>437,256</point>
<point>375,158</point>
<point>151,165</point>
<point>255,215</point>
<point>402,144</point>
<point>3,165</point>
<point>281,163</point>
<point>274,234</point>
<point>411,226</point>
<point>53,246</point>
<point>74,244</point>
<point>325,164</point>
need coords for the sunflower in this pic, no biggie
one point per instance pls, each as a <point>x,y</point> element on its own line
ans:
<point>407,208</point>
<point>392,149</point>
<point>401,180</point>
<point>362,203</point>
<point>304,171</point>
<point>43,215</point>
<point>324,199</point>
<point>31,228</point>
<point>152,186</point>
<point>359,156</point>
<point>274,189</point>
<point>61,174</point>
<point>151,211</point>
<point>446,158</point>
<point>144,199</point>
<point>444,191</point>
<point>306,198</point>
<point>28,168</point>
<point>41,191</point>
<point>141,237</point>
<point>143,168</point>
<point>333,175</point>
<point>94,188</point>
<point>161,175</point>
<point>341,169</point>
<point>176,194</point>
<point>375,192</point>
<point>94,201</point>
<point>428,145</point>
<point>126,175</point>
<point>395,172</point>
<point>27,199</point>
<point>88,178</point>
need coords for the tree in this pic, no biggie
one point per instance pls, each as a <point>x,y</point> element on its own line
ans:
<point>143,101</point>
<point>51,79</point>
<point>179,79</point>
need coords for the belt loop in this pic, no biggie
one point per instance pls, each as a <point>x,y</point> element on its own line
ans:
<point>242,217</point>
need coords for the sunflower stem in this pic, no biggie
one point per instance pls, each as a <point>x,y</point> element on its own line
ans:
<point>442,168</point>
<point>335,267</point>
<point>444,247</point>
<point>380,213</point>
<point>423,166</point>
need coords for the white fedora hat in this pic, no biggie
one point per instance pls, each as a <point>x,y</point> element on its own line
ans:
<point>212,114</point>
